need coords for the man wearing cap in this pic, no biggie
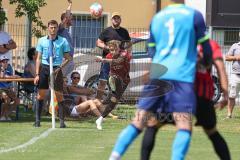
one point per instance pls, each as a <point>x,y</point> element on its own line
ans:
<point>8,96</point>
<point>114,32</point>
<point>6,43</point>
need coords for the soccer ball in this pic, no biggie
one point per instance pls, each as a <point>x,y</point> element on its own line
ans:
<point>96,10</point>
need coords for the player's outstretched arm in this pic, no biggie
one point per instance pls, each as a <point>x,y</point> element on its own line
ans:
<point>69,8</point>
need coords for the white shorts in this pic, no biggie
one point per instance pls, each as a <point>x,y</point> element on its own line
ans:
<point>74,112</point>
<point>234,85</point>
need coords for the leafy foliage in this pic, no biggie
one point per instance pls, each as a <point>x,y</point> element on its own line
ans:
<point>3,17</point>
<point>29,8</point>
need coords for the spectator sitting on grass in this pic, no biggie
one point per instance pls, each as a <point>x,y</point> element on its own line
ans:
<point>84,101</point>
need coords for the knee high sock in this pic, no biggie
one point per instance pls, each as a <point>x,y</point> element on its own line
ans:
<point>39,107</point>
<point>126,137</point>
<point>220,146</point>
<point>181,144</point>
<point>61,111</point>
<point>148,142</point>
<point>109,107</point>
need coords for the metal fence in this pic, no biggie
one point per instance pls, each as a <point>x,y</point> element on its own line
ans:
<point>84,61</point>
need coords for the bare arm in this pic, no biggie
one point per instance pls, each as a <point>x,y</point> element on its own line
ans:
<point>223,80</point>
<point>11,45</point>
<point>69,8</point>
<point>80,91</point>
<point>232,58</point>
<point>67,58</point>
<point>101,44</point>
<point>38,62</point>
<point>114,61</point>
<point>6,47</point>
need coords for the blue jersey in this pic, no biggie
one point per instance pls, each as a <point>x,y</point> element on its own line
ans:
<point>8,72</point>
<point>60,47</point>
<point>174,34</point>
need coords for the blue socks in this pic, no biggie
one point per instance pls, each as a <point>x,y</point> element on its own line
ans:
<point>181,144</point>
<point>126,137</point>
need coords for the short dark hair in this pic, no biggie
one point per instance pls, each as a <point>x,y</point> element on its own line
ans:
<point>31,53</point>
<point>75,72</point>
<point>64,15</point>
<point>52,22</point>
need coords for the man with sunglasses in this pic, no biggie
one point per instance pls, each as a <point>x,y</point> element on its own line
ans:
<point>78,92</point>
<point>114,32</point>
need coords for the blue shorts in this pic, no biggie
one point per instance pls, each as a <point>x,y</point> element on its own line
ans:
<point>104,73</point>
<point>168,97</point>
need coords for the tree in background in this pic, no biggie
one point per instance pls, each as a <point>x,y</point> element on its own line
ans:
<point>29,8</point>
<point>3,17</point>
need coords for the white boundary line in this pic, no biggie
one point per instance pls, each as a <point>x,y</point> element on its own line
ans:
<point>30,142</point>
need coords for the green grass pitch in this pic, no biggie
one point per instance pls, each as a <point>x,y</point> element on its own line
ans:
<point>82,141</point>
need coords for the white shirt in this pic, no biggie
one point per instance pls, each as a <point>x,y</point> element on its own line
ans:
<point>4,39</point>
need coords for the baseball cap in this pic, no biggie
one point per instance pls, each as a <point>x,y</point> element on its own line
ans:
<point>116,14</point>
<point>3,57</point>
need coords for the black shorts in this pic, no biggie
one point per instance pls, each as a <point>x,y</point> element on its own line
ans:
<point>205,113</point>
<point>44,78</point>
<point>104,71</point>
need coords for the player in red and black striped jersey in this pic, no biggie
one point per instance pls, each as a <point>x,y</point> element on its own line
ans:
<point>119,76</point>
<point>205,111</point>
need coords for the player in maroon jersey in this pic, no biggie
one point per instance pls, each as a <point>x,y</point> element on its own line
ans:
<point>119,59</point>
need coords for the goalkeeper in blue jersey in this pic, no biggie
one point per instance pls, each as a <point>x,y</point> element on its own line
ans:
<point>174,34</point>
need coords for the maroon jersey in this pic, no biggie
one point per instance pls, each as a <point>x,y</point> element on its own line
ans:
<point>120,65</point>
<point>204,81</point>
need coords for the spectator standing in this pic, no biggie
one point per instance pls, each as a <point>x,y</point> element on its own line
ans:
<point>66,22</point>
<point>233,56</point>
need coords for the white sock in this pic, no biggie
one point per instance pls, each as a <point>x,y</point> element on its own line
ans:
<point>100,119</point>
<point>115,156</point>
<point>99,123</point>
